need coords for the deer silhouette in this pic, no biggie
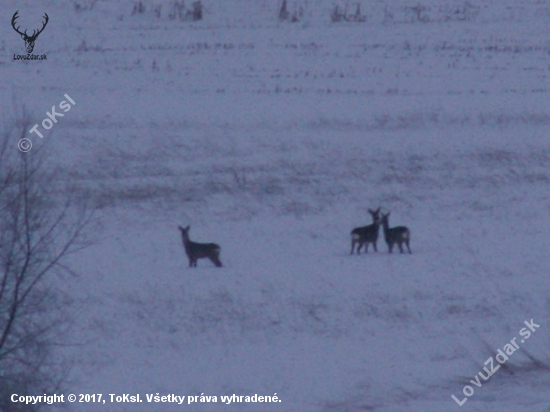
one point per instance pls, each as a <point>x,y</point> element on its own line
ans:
<point>196,251</point>
<point>29,40</point>
<point>398,234</point>
<point>367,234</point>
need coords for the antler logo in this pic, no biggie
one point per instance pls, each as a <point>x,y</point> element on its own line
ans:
<point>29,40</point>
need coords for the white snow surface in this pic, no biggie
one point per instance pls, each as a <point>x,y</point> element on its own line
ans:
<point>273,139</point>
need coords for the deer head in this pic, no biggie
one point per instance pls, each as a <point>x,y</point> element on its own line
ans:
<point>29,40</point>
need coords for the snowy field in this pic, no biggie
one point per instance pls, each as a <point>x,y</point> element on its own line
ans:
<point>273,139</point>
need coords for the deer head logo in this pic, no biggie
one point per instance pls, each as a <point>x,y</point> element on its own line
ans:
<point>29,40</point>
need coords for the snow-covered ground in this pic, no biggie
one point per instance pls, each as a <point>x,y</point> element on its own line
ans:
<point>273,139</point>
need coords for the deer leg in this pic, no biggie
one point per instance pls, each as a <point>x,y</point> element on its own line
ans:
<point>400,244</point>
<point>374,246</point>
<point>408,247</point>
<point>352,246</point>
<point>216,261</point>
<point>366,247</point>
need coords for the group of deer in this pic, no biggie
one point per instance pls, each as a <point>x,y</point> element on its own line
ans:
<point>360,236</point>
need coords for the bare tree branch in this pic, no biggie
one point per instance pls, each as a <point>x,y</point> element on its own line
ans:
<point>37,232</point>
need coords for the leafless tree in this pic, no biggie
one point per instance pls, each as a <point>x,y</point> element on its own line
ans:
<point>37,232</point>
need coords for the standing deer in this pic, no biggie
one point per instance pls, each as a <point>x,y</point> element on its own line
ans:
<point>398,234</point>
<point>197,251</point>
<point>366,234</point>
<point>29,40</point>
